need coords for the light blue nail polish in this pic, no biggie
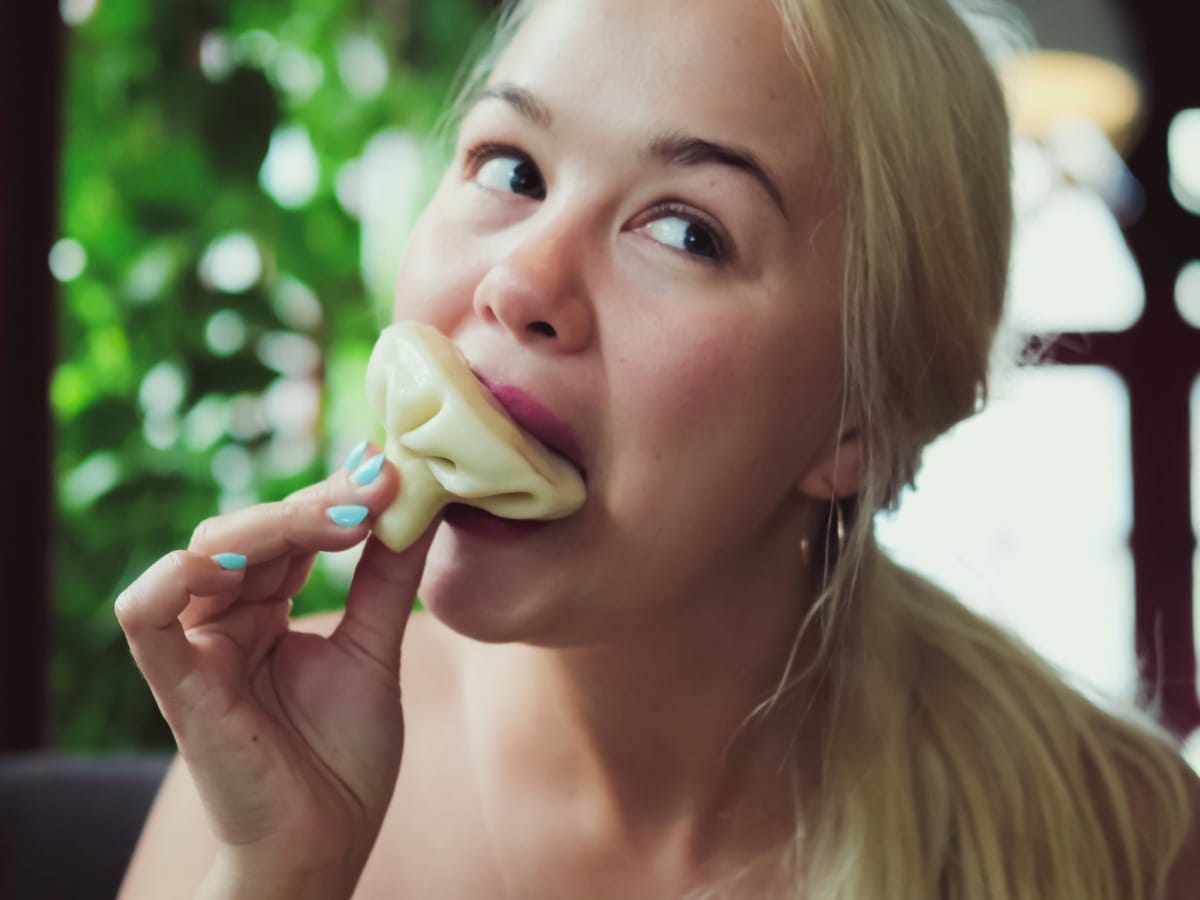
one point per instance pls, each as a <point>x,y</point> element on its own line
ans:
<point>231,561</point>
<point>348,516</point>
<point>356,455</point>
<point>369,470</point>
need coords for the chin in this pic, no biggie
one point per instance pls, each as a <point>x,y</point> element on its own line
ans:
<point>486,600</point>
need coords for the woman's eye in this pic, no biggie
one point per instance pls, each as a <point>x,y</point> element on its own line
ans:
<point>513,174</point>
<point>687,235</point>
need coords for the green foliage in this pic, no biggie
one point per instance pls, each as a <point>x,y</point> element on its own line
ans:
<point>188,387</point>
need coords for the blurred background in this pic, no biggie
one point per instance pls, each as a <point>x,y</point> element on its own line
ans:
<point>235,180</point>
<point>203,204</point>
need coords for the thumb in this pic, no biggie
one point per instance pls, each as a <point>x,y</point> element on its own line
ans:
<point>381,600</point>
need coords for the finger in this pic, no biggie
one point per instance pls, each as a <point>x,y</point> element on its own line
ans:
<point>334,514</point>
<point>263,581</point>
<point>381,599</point>
<point>296,577</point>
<point>259,584</point>
<point>277,579</point>
<point>252,628</point>
<point>149,610</point>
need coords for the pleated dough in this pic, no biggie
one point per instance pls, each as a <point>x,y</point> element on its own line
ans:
<point>452,441</point>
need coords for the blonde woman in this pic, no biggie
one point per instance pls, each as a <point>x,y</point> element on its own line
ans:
<point>741,261</point>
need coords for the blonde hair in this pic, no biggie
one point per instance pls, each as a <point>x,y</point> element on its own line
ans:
<point>954,764</point>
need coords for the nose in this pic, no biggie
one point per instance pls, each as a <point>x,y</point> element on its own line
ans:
<point>537,290</point>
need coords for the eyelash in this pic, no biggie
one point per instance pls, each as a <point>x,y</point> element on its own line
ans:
<point>700,220</point>
<point>477,155</point>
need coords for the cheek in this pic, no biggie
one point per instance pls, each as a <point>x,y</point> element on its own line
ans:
<point>695,383</point>
<point>751,399</point>
<point>683,397</point>
<point>704,451</point>
<point>437,277</point>
<point>695,388</point>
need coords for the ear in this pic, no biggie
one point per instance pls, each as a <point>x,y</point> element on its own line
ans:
<point>839,471</point>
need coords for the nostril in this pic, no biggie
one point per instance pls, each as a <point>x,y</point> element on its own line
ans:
<point>542,328</point>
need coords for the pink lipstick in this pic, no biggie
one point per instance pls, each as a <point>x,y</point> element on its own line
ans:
<point>535,419</point>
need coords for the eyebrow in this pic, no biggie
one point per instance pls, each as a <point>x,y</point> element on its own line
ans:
<point>684,150</point>
<point>519,99</point>
<point>672,149</point>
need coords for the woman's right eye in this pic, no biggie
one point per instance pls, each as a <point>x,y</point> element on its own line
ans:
<point>505,170</point>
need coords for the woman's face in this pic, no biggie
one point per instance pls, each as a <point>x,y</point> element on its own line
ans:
<point>636,232</point>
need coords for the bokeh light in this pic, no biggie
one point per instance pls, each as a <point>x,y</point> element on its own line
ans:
<point>233,467</point>
<point>162,389</point>
<point>290,173</point>
<point>295,305</point>
<point>391,186</point>
<point>149,275</point>
<point>1052,549</point>
<point>291,406</point>
<point>362,65</point>
<point>225,332</point>
<point>90,479</point>
<point>1183,151</point>
<point>232,263</point>
<point>76,12</point>
<point>1071,268</point>
<point>217,56</point>
<point>300,74</point>
<point>206,423</point>
<point>257,48</point>
<point>246,419</point>
<point>67,260</point>
<point>289,353</point>
<point>1187,293</point>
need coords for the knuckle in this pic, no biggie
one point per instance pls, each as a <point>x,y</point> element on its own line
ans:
<point>309,492</point>
<point>202,532</point>
<point>292,509</point>
<point>175,560</point>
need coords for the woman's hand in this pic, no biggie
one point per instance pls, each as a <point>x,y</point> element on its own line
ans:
<point>293,740</point>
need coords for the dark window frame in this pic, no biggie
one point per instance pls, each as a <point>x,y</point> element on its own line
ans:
<point>1159,360</point>
<point>31,37</point>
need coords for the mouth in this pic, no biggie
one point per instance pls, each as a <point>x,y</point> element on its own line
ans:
<point>482,523</point>
<point>537,421</point>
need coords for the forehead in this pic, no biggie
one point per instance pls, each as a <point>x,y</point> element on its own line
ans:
<point>717,69</point>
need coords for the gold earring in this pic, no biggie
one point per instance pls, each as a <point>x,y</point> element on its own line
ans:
<point>822,541</point>
<point>841,526</point>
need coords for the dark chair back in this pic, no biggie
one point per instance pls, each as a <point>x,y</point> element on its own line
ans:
<point>68,825</point>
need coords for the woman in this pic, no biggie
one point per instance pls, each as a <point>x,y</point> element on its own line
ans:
<point>750,258</point>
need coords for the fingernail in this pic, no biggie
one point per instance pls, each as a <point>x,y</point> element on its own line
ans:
<point>347,515</point>
<point>356,455</point>
<point>231,561</point>
<point>369,470</point>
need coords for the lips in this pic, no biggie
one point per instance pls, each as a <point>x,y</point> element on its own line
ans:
<point>536,420</point>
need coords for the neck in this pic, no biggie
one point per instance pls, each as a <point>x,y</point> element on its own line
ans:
<point>649,736</point>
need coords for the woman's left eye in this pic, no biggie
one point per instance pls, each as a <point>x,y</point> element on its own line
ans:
<point>687,234</point>
<point>503,169</point>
